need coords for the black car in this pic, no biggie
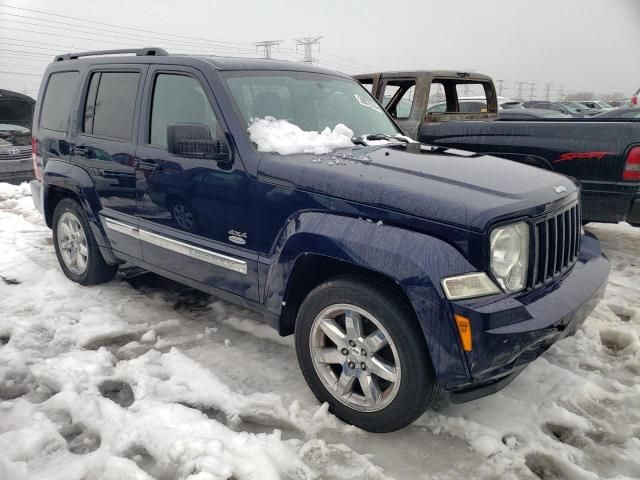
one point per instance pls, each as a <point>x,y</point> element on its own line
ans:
<point>16,116</point>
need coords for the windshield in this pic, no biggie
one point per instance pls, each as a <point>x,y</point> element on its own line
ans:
<point>14,135</point>
<point>310,101</point>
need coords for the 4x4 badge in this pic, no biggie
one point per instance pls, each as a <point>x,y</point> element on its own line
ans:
<point>239,238</point>
<point>559,189</point>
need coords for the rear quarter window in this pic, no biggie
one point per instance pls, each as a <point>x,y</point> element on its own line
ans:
<point>58,100</point>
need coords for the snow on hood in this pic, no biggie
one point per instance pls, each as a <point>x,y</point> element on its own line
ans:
<point>281,136</point>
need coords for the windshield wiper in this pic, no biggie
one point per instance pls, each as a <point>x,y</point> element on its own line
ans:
<point>384,136</point>
<point>365,139</point>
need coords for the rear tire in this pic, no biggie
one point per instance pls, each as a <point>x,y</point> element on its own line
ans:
<point>373,367</point>
<point>76,248</point>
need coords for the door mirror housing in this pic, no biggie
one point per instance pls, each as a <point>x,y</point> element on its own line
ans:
<point>193,140</point>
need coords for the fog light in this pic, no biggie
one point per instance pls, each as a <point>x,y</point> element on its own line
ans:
<point>469,285</point>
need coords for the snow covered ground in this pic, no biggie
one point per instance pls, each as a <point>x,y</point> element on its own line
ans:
<point>144,378</point>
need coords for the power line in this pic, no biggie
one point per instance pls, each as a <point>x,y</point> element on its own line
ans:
<point>165,38</point>
<point>21,74</point>
<point>122,35</point>
<point>308,43</point>
<point>118,26</point>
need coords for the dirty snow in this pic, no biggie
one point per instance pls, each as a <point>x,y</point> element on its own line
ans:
<point>143,378</point>
<point>281,136</point>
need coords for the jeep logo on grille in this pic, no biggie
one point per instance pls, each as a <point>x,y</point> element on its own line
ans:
<point>559,189</point>
<point>14,151</point>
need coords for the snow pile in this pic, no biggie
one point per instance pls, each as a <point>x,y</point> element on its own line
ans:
<point>280,136</point>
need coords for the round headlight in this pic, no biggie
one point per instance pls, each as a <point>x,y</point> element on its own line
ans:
<point>509,247</point>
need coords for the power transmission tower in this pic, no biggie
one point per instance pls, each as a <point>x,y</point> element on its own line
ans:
<point>308,43</point>
<point>547,91</point>
<point>501,87</point>
<point>561,93</point>
<point>532,87</point>
<point>520,86</point>
<point>266,46</point>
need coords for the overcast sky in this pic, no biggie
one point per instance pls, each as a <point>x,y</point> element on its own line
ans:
<point>591,45</point>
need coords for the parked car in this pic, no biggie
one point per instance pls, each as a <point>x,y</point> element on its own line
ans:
<point>567,110</point>
<point>631,112</point>
<point>604,156</point>
<point>597,105</point>
<point>16,116</point>
<point>581,108</point>
<point>529,114</point>
<point>408,274</point>
<point>475,104</point>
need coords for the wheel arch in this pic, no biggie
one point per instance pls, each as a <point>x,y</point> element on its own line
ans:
<point>317,246</point>
<point>63,180</point>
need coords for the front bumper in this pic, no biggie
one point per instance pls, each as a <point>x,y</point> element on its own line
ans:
<point>511,332</point>
<point>16,177</point>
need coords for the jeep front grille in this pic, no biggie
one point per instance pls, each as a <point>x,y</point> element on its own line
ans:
<point>556,244</point>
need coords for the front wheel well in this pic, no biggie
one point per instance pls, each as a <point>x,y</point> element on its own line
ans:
<point>311,270</point>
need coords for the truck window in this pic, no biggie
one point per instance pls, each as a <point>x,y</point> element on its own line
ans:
<point>179,99</point>
<point>471,97</point>
<point>367,83</point>
<point>58,98</point>
<point>398,97</point>
<point>110,104</point>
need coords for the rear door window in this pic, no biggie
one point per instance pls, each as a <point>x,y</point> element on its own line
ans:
<point>58,100</point>
<point>110,105</point>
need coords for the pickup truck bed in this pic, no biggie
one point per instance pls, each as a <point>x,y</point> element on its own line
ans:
<point>596,153</point>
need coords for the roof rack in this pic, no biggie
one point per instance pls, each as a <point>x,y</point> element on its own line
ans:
<point>140,52</point>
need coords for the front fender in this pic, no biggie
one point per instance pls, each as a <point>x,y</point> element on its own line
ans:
<point>73,179</point>
<point>415,261</point>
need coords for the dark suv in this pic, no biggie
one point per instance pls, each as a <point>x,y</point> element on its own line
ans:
<point>409,274</point>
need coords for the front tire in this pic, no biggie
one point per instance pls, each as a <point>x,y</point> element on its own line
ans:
<point>76,248</point>
<point>361,350</point>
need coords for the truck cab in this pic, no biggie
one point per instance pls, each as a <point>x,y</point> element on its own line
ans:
<point>410,96</point>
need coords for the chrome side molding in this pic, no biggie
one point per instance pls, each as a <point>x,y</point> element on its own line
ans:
<point>202,254</point>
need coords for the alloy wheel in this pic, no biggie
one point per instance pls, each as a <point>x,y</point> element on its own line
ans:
<point>355,357</point>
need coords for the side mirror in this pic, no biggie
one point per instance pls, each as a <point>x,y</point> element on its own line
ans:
<point>193,140</point>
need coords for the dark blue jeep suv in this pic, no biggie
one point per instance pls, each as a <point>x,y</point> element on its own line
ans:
<point>409,274</point>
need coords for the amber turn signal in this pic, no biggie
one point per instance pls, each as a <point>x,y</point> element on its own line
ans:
<point>464,330</point>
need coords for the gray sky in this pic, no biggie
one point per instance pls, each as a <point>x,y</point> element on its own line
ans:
<point>591,45</point>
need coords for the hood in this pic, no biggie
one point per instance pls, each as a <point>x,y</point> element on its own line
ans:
<point>439,184</point>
